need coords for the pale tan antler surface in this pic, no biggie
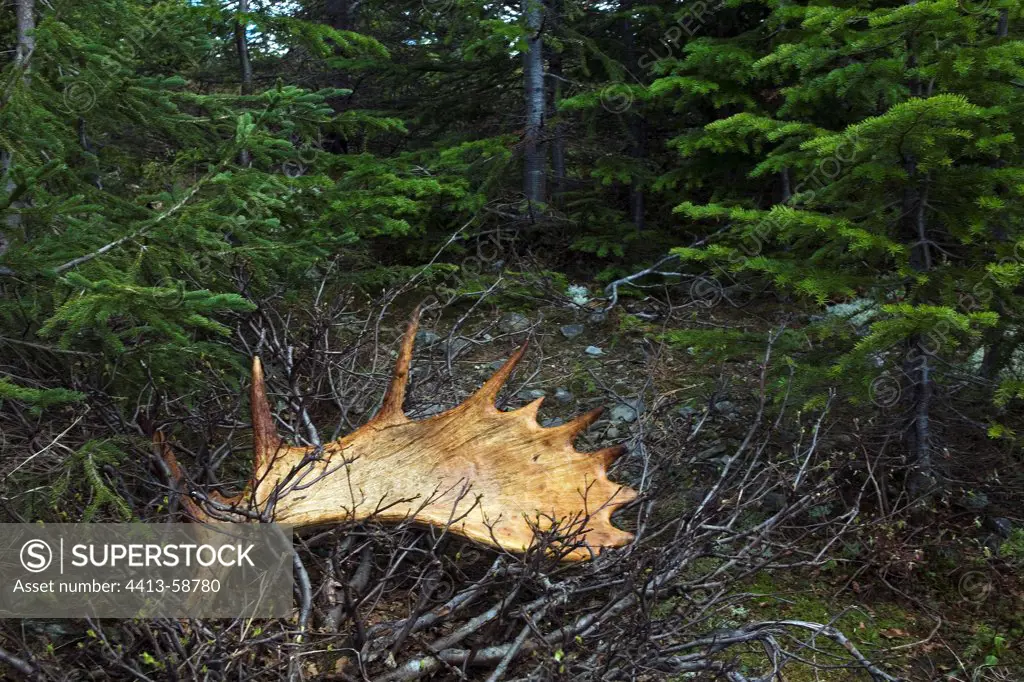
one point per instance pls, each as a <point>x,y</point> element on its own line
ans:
<point>489,475</point>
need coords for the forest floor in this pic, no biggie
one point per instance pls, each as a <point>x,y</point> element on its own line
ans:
<point>927,596</point>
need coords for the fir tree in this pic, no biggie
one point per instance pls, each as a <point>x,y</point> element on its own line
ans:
<point>884,142</point>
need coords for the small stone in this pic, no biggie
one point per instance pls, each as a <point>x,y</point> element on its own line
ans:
<point>553,421</point>
<point>514,322</point>
<point>975,500</point>
<point>531,394</point>
<point>612,432</point>
<point>571,331</point>
<point>626,412</point>
<point>51,629</point>
<point>1001,525</point>
<point>597,317</point>
<point>497,364</point>
<point>593,351</point>
<point>687,412</point>
<point>563,395</point>
<point>426,338</point>
<point>458,344</point>
<point>725,407</point>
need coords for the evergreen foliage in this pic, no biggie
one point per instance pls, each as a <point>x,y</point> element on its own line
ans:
<point>865,151</point>
<point>862,153</point>
<point>180,180</point>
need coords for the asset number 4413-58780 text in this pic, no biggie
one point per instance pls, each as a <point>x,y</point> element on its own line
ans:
<point>175,585</point>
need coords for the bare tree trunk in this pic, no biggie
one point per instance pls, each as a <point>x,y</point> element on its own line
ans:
<point>26,25</point>
<point>637,207</point>
<point>534,156</point>
<point>244,64</point>
<point>555,85</point>
<point>23,51</point>
<point>637,125</point>
<point>922,477</point>
<point>915,200</point>
<point>999,347</point>
<point>918,365</point>
<point>342,15</point>
<point>242,44</point>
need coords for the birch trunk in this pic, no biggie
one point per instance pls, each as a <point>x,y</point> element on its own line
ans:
<point>534,157</point>
<point>244,65</point>
<point>22,53</point>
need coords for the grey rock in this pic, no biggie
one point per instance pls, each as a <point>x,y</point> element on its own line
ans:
<point>598,317</point>
<point>458,344</point>
<point>514,322</point>
<point>531,394</point>
<point>612,432</point>
<point>593,351</point>
<point>554,421</point>
<point>715,449</point>
<point>975,501</point>
<point>571,331</point>
<point>626,412</point>
<point>426,338</point>
<point>1001,525</point>
<point>497,364</point>
<point>563,395</point>
<point>53,629</point>
<point>725,407</point>
<point>687,412</point>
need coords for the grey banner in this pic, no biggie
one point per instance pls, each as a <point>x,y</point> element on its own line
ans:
<point>141,570</point>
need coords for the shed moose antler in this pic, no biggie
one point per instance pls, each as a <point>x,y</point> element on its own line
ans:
<point>492,476</point>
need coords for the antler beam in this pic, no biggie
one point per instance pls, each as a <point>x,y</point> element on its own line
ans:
<point>495,477</point>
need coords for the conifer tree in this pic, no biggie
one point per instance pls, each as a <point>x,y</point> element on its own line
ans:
<point>880,154</point>
<point>150,165</point>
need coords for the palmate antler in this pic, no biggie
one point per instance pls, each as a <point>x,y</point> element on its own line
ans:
<point>495,477</point>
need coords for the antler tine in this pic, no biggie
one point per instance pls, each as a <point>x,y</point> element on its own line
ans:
<point>488,393</point>
<point>266,442</point>
<point>607,456</point>
<point>391,409</point>
<point>577,425</point>
<point>177,475</point>
<point>531,409</point>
